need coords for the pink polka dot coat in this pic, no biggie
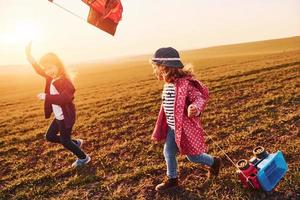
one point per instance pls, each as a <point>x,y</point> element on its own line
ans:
<point>189,135</point>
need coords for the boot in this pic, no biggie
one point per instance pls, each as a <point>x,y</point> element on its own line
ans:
<point>213,171</point>
<point>168,184</point>
<point>215,168</point>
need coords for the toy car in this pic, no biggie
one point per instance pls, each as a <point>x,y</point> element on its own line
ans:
<point>263,171</point>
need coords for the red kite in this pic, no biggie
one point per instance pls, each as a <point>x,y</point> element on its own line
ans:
<point>104,14</point>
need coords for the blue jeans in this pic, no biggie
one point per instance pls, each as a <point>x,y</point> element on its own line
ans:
<point>170,151</point>
<point>64,137</point>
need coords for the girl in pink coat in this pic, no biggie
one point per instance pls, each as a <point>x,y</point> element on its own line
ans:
<point>178,125</point>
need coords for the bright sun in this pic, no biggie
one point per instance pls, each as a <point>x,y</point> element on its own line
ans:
<point>23,32</point>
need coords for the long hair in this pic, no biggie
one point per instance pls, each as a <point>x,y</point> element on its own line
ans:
<point>53,59</point>
<point>170,74</point>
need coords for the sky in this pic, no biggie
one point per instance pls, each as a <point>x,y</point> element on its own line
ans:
<point>146,26</point>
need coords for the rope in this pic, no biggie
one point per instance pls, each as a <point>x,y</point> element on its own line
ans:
<point>69,11</point>
<point>229,159</point>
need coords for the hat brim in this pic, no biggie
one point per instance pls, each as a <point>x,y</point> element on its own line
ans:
<point>171,63</point>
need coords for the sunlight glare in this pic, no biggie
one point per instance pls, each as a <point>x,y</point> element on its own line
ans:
<point>22,33</point>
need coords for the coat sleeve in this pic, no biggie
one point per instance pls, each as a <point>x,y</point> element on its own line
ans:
<point>66,96</point>
<point>37,68</point>
<point>198,95</point>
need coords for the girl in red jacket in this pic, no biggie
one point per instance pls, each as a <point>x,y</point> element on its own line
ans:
<point>58,98</point>
<point>183,100</point>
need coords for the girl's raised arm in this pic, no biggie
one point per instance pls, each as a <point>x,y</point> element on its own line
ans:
<point>32,61</point>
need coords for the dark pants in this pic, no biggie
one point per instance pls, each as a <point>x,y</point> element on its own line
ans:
<point>64,138</point>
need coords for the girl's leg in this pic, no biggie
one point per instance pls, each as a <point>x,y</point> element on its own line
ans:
<point>203,158</point>
<point>170,151</point>
<point>52,132</point>
<point>65,140</point>
<point>214,163</point>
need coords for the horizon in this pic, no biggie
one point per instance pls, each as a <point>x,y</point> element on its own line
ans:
<point>134,56</point>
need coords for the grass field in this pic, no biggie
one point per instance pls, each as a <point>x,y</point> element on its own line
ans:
<point>255,100</point>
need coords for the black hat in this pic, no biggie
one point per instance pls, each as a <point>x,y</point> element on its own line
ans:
<point>168,57</point>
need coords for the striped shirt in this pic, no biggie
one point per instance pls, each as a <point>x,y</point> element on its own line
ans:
<point>168,97</point>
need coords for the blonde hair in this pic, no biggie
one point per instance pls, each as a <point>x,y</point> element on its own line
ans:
<point>170,74</point>
<point>53,59</point>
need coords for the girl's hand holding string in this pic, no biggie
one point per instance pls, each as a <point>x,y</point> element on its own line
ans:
<point>193,111</point>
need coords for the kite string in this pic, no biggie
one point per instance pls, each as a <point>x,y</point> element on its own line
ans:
<point>69,11</point>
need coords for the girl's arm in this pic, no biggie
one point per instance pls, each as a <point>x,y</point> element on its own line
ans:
<point>198,96</point>
<point>32,61</point>
<point>66,96</point>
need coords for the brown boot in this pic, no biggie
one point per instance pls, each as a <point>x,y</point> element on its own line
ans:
<point>215,168</point>
<point>212,172</point>
<point>168,184</point>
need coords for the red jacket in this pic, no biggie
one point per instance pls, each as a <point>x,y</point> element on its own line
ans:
<point>189,135</point>
<point>64,99</point>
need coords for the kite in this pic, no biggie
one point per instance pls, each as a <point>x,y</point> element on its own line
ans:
<point>103,14</point>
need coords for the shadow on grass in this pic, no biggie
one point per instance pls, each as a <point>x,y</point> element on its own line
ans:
<point>181,193</point>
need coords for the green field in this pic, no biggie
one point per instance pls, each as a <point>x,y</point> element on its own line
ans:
<point>255,100</point>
